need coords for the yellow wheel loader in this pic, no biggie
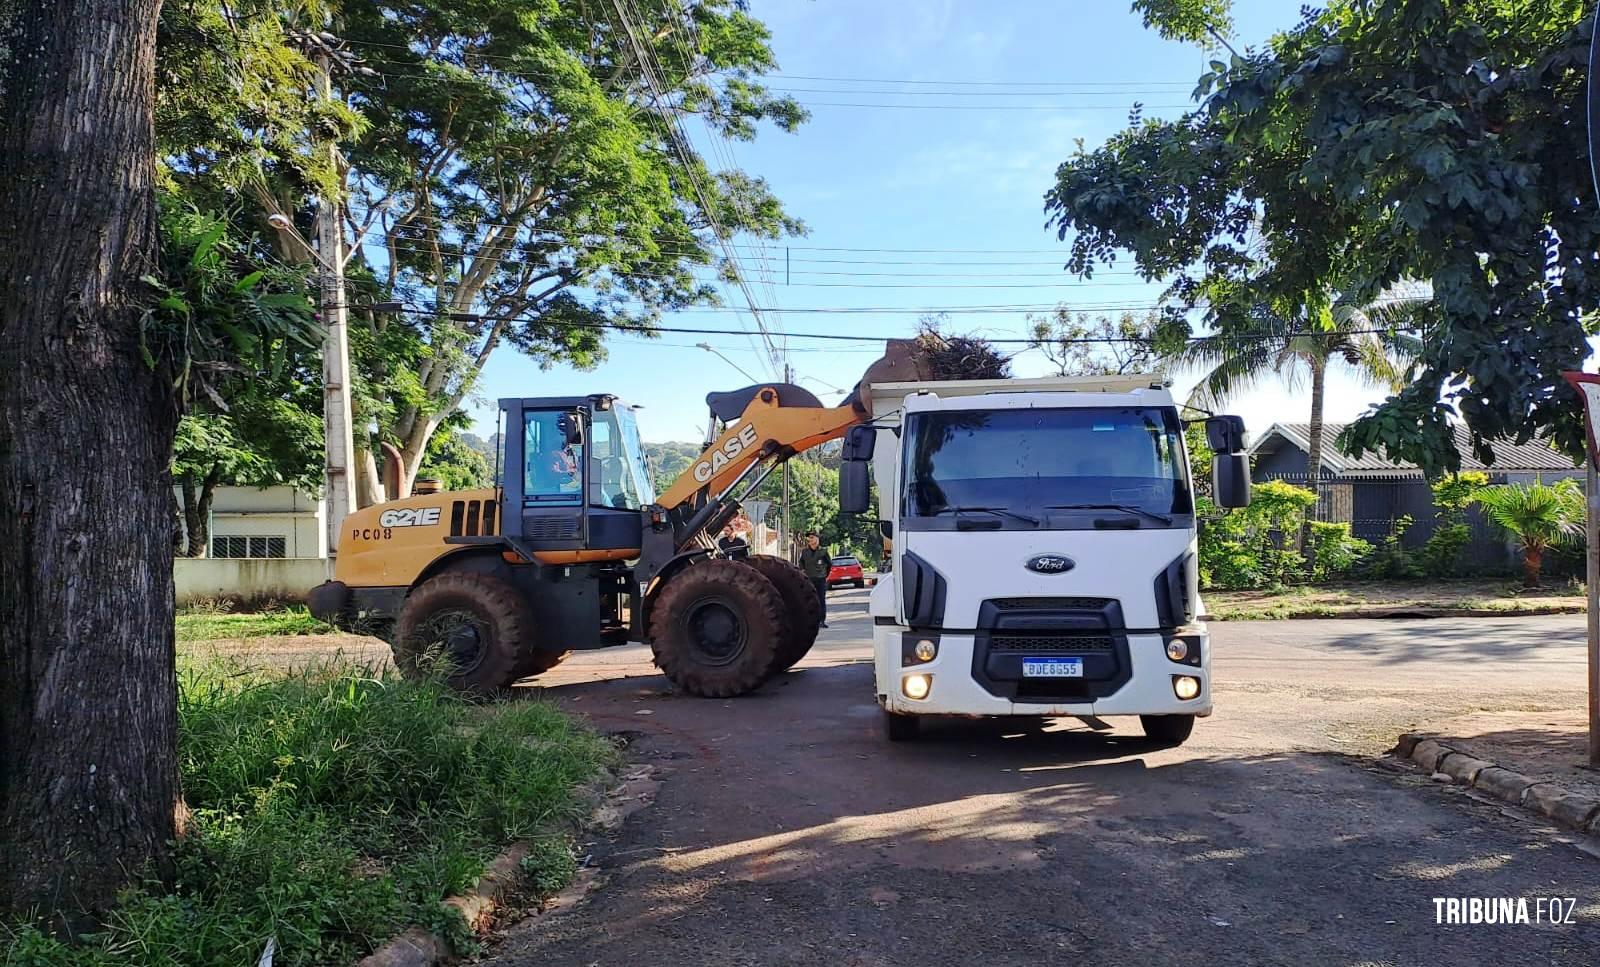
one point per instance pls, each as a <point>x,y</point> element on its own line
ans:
<point>573,550</point>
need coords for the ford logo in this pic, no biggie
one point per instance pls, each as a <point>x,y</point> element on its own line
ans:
<point>1051,564</point>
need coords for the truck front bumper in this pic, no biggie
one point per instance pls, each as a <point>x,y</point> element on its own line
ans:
<point>953,690</point>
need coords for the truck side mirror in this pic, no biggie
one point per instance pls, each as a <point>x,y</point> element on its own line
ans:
<point>859,443</point>
<point>1230,479</point>
<point>1225,434</point>
<point>855,490</point>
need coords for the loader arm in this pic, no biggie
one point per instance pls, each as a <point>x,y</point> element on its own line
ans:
<point>775,421</point>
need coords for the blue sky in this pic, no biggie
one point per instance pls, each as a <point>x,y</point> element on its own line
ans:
<point>958,170</point>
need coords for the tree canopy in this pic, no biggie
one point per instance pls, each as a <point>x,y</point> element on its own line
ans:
<point>1376,144</point>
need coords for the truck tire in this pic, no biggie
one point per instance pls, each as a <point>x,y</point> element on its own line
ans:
<point>715,628</point>
<point>471,628</point>
<point>901,728</point>
<point>1167,729</point>
<point>802,610</point>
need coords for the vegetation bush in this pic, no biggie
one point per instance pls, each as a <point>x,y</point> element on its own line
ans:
<point>1254,546</point>
<point>1443,554</point>
<point>331,808</point>
<point>1336,553</point>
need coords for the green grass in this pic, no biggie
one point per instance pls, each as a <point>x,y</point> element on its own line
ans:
<point>209,624</point>
<point>1331,601</point>
<point>333,807</point>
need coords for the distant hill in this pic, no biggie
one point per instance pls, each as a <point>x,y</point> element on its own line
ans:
<point>669,460</point>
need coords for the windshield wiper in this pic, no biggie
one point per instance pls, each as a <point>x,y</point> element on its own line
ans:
<point>987,510</point>
<point>1125,508</point>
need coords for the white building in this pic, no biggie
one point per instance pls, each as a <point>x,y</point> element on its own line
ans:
<point>266,543</point>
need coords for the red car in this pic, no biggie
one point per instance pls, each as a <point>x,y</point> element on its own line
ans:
<point>846,570</point>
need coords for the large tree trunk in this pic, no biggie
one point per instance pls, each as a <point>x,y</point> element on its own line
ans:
<point>88,694</point>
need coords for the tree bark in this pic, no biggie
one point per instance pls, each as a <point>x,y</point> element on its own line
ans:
<point>1314,432</point>
<point>200,537</point>
<point>1532,566</point>
<point>191,515</point>
<point>88,693</point>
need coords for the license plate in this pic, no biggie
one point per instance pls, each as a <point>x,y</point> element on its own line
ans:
<point>1052,668</point>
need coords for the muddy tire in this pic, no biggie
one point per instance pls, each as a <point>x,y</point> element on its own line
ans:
<point>802,611</point>
<point>468,627</point>
<point>715,628</point>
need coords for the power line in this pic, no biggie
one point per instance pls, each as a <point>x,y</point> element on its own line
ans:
<point>837,337</point>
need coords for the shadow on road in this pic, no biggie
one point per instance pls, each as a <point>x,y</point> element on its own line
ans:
<point>788,831</point>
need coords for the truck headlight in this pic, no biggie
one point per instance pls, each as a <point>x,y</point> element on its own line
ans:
<point>1185,687</point>
<point>917,686</point>
<point>926,649</point>
<point>1185,645</point>
<point>918,647</point>
<point>1177,649</point>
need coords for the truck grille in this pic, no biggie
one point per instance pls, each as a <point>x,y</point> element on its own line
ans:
<point>1024,604</point>
<point>1045,643</point>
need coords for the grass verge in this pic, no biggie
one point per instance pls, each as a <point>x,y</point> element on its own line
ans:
<point>333,807</point>
<point>210,624</point>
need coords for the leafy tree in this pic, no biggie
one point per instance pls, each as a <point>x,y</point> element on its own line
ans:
<point>1539,516</point>
<point>454,461</point>
<point>1078,345</point>
<point>1293,350</point>
<point>1377,142</point>
<point>518,181</point>
<point>1254,546</point>
<point>668,461</point>
<point>251,336</point>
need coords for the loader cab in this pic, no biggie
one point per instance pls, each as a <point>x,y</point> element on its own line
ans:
<point>574,477</point>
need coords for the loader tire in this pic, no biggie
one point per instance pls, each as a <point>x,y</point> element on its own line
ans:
<point>802,610</point>
<point>715,628</point>
<point>468,628</point>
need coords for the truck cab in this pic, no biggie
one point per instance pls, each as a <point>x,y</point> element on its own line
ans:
<point>1044,557</point>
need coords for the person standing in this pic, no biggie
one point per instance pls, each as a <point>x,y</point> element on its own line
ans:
<point>816,562</point>
<point>732,545</point>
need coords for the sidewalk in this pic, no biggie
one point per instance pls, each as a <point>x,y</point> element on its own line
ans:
<point>1538,760</point>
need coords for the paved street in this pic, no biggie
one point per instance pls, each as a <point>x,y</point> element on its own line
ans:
<point>786,830</point>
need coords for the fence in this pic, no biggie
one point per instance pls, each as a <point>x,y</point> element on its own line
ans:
<point>1373,508</point>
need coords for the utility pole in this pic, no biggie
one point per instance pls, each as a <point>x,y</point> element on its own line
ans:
<point>785,538</point>
<point>336,419</point>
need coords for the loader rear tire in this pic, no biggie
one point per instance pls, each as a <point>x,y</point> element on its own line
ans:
<point>470,628</point>
<point>715,628</point>
<point>802,610</point>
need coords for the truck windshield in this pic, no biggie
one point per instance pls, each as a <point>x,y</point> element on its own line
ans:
<point>1047,461</point>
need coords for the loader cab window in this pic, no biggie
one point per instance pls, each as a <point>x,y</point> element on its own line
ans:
<point>553,468</point>
<point>617,476</point>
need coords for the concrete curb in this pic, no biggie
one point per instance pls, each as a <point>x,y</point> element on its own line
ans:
<point>1548,799</point>
<point>502,878</point>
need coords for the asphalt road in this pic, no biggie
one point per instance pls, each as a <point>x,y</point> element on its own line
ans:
<point>787,831</point>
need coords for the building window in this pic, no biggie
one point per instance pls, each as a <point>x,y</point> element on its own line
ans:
<point>249,546</point>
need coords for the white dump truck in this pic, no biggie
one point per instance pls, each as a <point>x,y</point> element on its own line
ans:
<point>1044,555</point>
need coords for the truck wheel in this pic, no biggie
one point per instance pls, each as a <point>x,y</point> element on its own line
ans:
<point>802,610</point>
<point>1167,729</point>
<point>469,628</point>
<point>901,728</point>
<point>715,628</point>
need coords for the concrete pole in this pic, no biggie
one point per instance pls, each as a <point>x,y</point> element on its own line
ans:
<point>1592,479</point>
<point>336,418</point>
<point>785,538</point>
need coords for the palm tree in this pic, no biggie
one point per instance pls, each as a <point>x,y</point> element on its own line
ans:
<point>1370,341</point>
<point>1538,516</point>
